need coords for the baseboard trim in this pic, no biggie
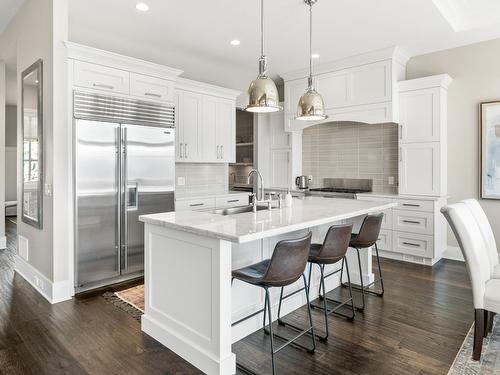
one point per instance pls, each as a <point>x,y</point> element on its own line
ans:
<point>53,292</point>
<point>453,253</point>
<point>3,242</point>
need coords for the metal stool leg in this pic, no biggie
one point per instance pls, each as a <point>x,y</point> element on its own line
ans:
<point>268,302</point>
<point>361,280</point>
<point>381,279</point>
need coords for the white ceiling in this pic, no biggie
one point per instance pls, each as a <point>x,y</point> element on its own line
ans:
<point>194,35</point>
<point>8,8</point>
<point>469,14</point>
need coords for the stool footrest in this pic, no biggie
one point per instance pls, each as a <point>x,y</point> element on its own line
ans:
<point>291,341</point>
<point>334,310</point>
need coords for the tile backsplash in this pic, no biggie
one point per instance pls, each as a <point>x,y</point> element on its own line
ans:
<point>352,150</point>
<point>201,179</point>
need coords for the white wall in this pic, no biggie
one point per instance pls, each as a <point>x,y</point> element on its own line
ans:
<point>476,77</point>
<point>3,85</point>
<point>10,152</point>
<point>38,30</point>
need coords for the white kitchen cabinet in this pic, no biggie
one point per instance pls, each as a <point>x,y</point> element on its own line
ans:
<point>206,123</point>
<point>293,91</point>
<point>423,133</point>
<point>225,131</point>
<point>219,201</point>
<point>280,168</point>
<point>421,169</point>
<point>102,78</point>
<point>189,122</point>
<point>151,88</point>
<point>420,116</point>
<point>194,204</point>
<point>279,137</point>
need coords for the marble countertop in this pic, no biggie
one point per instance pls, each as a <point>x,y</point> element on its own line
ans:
<point>398,196</point>
<point>305,213</point>
<point>187,198</point>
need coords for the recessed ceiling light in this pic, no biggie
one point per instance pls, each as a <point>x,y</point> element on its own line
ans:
<point>315,55</point>
<point>235,42</point>
<point>142,7</point>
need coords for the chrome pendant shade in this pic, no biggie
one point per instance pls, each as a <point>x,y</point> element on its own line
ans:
<point>311,106</point>
<point>263,94</point>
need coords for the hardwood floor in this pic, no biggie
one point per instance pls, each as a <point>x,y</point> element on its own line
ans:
<point>417,328</point>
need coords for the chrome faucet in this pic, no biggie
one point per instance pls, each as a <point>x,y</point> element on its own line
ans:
<point>255,200</point>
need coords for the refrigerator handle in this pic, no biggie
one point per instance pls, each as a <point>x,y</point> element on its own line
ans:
<point>119,197</point>
<point>125,200</point>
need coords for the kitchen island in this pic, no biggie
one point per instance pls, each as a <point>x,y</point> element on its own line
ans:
<point>189,301</point>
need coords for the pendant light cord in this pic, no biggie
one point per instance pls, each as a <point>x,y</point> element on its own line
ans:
<point>310,46</point>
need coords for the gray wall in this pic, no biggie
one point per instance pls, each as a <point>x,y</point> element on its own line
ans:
<point>476,73</point>
<point>10,126</point>
<point>352,150</point>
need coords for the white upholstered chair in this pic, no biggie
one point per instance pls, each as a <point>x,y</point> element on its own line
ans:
<point>488,236</point>
<point>485,289</point>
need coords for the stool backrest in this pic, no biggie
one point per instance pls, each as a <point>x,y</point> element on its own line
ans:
<point>288,261</point>
<point>485,228</point>
<point>336,242</point>
<point>370,230</point>
<point>473,248</point>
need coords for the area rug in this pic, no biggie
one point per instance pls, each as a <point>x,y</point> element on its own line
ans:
<point>490,358</point>
<point>130,300</point>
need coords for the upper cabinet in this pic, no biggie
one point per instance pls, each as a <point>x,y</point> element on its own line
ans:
<point>361,88</point>
<point>423,132</point>
<point>206,123</point>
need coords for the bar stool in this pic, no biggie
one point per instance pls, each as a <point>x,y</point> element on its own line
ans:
<point>366,238</point>
<point>333,250</point>
<point>285,267</point>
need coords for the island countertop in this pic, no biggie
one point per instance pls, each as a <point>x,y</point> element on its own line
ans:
<point>305,213</point>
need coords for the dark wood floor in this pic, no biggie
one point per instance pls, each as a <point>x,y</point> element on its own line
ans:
<point>417,328</point>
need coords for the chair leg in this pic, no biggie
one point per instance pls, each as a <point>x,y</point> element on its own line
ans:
<point>268,303</point>
<point>325,307</point>
<point>265,311</point>
<point>361,281</point>
<point>491,318</point>
<point>478,334</point>
<point>280,322</point>
<point>486,323</point>
<point>379,273</point>
<point>350,286</point>
<point>306,289</point>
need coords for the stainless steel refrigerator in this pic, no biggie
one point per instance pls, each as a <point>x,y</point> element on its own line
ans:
<point>124,167</point>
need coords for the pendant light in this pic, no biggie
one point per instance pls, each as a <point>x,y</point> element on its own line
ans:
<point>311,106</point>
<point>263,94</point>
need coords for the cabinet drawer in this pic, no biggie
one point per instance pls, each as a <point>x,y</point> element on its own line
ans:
<point>194,204</point>
<point>415,205</point>
<point>151,88</point>
<point>385,240</point>
<point>102,78</point>
<point>413,222</point>
<point>230,201</point>
<point>413,244</point>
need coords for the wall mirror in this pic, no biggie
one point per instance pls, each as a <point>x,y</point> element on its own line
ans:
<point>32,133</point>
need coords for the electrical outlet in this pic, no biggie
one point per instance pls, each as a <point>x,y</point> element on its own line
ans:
<point>310,178</point>
<point>181,181</point>
<point>391,180</point>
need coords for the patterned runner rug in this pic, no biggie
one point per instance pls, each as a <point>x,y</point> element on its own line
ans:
<point>130,300</point>
<point>490,358</point>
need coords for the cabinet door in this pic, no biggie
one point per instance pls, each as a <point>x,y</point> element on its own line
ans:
<point>179,133</point>
<point>279,138</point>
<point>226,130</point>
<point>208,150</point>
<point>102,78</point>
<point>420,169</point>
<point>419,115</point>
<point>293,91</point>
<point>151,88</point>
<point>191,122</point>
<point>370,83</point>
<point>280,168</point>
<point>334,89</point>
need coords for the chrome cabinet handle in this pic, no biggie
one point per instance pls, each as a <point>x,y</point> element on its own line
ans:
<point>401,131</point>
<point>233,201</point>
<point>410,205</point>
<point>218,152</point>
<point>411,221</point>
<point>103,86</point>
<point>186,150</point>
<point>221,151</point>
<point>196,204</point>
<point>152,94</point>
<point>180,150</point>
<point>411,244</point>
<point>400,154</point>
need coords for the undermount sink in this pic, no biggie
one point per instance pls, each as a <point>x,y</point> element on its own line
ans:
<point>236,210</point>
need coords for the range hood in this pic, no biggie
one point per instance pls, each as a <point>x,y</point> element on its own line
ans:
<point>361,88</point>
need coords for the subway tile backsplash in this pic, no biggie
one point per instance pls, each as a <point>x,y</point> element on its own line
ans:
<point>201,179</point>
<point>352,150</point>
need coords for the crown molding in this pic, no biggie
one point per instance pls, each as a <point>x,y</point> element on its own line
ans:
<point>98,56</point>
<point>206,88</point>
<point>441,80</point>
<point>396,54</point>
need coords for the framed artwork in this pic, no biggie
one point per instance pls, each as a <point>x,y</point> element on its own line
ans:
<point>490,149</point>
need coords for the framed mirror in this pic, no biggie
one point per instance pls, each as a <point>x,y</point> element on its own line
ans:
<point>32,133</point>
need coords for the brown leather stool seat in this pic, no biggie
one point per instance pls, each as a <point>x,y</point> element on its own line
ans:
<point>367,237</point>
<point>285,267</point>
<point>331,251</point>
